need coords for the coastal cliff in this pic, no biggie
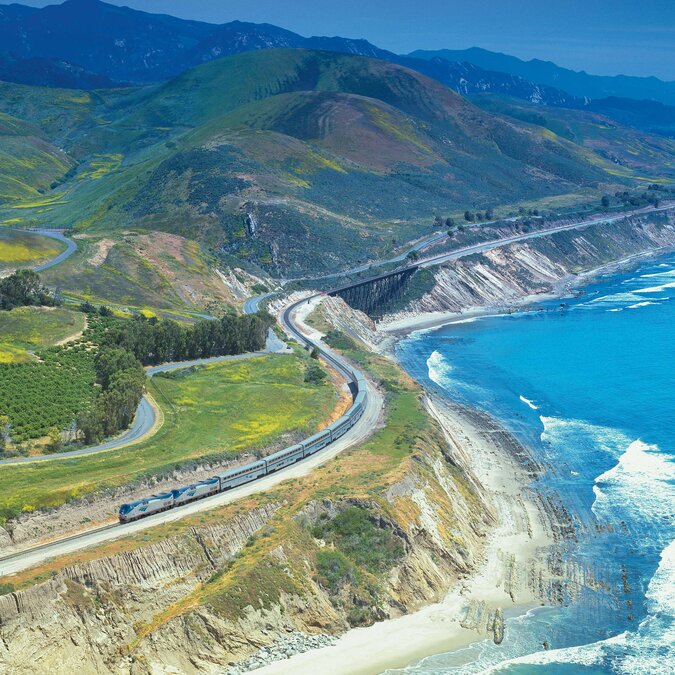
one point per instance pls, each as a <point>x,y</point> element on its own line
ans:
<point>436,502</point>
<point>518,272</point>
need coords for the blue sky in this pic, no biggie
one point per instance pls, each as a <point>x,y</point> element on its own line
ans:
<point>604,37</point>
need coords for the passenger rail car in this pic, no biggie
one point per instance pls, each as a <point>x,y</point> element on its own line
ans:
<point>254,470</point>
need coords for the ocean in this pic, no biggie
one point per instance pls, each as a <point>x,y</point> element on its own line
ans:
<point>589,386</point>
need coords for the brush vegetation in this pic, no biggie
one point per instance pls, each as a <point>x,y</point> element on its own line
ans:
<point>255,154</point>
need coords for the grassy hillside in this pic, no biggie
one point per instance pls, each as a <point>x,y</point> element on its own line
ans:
<point>218,411</point>
<point>632,152</point>
<point>29,328</point>
<point>29,164</point>
<point>255,155</point>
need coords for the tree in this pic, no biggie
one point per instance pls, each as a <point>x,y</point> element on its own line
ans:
<point>605,201</point>
<point>24,288</point>
<point>438,221</point>
<point>468,216</point>
<point>54,444</point>
<point>315,353</point>
<point>413,256</point>
<point>489,214</point>
<point>5,429</point>
<point>449,222</point>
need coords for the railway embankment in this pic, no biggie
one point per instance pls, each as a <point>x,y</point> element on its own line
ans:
<point>432,513</point>
<point>519,273</point>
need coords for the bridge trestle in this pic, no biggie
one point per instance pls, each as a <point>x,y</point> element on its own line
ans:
<point>375,297</point>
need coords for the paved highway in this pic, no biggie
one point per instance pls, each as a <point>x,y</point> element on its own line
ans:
<point>419,246</point>
<point>362,430</point>
<point>252,305</point>
<point>71,247</point>
<point>497,243</point>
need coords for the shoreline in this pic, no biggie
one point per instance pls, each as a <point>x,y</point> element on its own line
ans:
<point>445,626</point>
<point>514,555</point>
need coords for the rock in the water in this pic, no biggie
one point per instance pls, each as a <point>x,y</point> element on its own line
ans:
<point>498,627</point>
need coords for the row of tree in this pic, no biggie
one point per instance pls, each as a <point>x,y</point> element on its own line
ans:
<point>126,345</point>
<point>122,379</point>
<point>469,216</point>
<point>154,341</point>
<point>24,288</point>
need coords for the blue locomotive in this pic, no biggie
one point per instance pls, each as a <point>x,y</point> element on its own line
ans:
<point>250,472</point>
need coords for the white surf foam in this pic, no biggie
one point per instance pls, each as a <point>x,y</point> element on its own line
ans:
<point>642,482</point>
<point>528,402</point>
<point>669,273</point>
<point>572,433</point>
<point>655,289</point>
<point>649,650</point>
<point>439,369</point>
<point>641,304</point>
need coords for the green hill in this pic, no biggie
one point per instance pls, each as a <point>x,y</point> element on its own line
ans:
<point>258,154</point>
<point>29,164</point>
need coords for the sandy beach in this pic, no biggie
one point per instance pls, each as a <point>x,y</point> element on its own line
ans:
<point>514,562</point>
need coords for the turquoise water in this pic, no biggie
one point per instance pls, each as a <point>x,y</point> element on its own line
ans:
<point>590,387</point>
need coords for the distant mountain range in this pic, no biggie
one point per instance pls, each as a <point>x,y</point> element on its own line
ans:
<point>545,72</point>
<point>88,44</point>
<point>127,45</point>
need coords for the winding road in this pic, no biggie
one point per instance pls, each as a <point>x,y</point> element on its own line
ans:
<point>144,421</point>
<point>362,430</point>
<point>71,247</point>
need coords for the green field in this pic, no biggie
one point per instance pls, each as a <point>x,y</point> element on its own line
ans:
<point>28,328</point>
<point>219,410</point>
<point>18,249</point>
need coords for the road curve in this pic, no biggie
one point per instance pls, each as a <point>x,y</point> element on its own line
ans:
<point>145,417</point>
<point>71,247</point>
<point>252,305</point>
<point>360,432</point>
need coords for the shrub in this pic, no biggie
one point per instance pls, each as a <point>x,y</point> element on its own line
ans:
<point>354,534</point>
<point>334,569</point>
<point>315,374</point>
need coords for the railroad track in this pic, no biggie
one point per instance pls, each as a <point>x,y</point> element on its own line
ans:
<point>57,542</point>
<point>26,558</point>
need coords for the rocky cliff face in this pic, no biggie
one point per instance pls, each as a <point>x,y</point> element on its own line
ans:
<point>214,594</point>
<point>506,275</point>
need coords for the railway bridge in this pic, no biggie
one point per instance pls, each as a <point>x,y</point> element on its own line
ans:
<point>377,295</point>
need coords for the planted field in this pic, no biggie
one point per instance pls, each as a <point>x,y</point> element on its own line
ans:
<point>34,327</point>
<point>40,395</point>
<point>217,411</point>
<point>18,249</point>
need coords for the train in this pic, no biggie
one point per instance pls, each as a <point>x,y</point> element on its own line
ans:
<point>222,482</point>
